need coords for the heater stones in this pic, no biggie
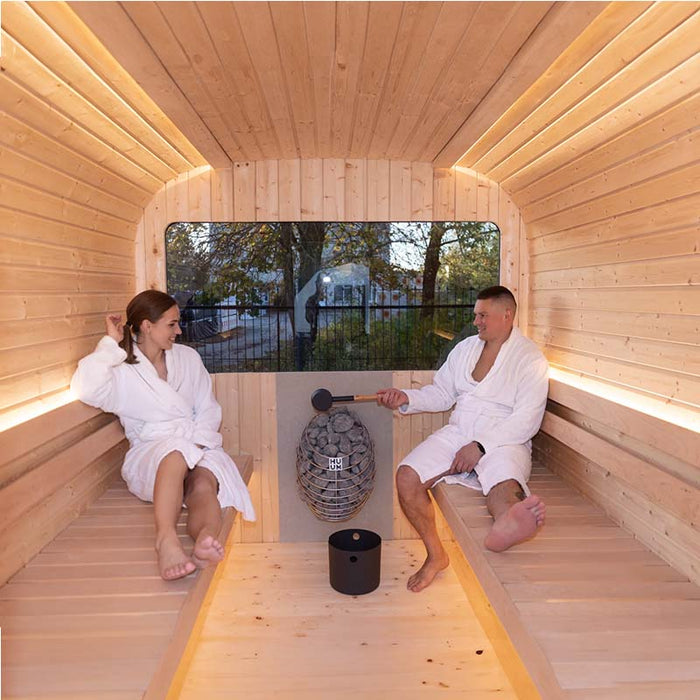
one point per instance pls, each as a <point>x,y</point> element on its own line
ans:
<point>335,465</point>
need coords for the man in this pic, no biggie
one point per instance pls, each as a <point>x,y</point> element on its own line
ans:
<point>497,381</point>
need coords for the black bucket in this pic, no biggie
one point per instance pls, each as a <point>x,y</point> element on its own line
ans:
<point>354,561</point>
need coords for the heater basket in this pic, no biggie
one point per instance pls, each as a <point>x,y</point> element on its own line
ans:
<point>335,465</point>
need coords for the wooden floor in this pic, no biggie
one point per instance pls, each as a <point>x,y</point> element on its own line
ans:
<point>275,629</point>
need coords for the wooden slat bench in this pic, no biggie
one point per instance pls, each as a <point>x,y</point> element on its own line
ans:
<point>85,613</point>
<point>587,605</point>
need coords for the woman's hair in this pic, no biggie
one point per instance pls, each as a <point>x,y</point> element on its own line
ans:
<point>146,306</point>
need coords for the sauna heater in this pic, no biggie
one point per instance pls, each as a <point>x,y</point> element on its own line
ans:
<point>335,465</point>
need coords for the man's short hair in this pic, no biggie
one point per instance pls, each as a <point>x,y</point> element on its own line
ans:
<point>501,293</point>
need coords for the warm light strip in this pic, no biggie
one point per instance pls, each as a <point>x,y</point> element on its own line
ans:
<point>683,417</point>
<point>34,409</point>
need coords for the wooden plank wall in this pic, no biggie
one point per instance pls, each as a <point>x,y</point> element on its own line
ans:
<point>601,156</point>
<point>51,469</point>
<point>332,189</point>
<point>317,189</point>
<point>249,426</point>
<point>82,151</point>
<point>642,470</point>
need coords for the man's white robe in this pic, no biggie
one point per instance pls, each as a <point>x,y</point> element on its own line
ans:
<point>160,417</point>
<point>503,411</point>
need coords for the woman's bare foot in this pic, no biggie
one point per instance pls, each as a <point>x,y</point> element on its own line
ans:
<point>432,566</point>
<point>173,563</point>
<point>520,522</point>
<point>207,551</point>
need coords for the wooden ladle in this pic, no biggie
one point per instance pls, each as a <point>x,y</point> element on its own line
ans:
<point>322,399</point>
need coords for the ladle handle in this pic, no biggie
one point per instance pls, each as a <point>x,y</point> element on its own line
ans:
<point>365,397</point>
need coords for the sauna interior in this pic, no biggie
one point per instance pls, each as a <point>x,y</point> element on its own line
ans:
<point>571,125</point>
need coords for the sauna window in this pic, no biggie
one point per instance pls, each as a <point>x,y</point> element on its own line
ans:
<point>328,296</point>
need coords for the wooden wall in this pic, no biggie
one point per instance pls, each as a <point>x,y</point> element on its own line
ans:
<point>352,190</point>
<point>601,156</point>
<point>82,151</point>
<point>642,470</point>
<point>249,426</point>
<point>330,189</point>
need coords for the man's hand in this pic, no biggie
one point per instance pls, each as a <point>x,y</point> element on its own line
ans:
<point>391,398</point>
<point>115,327</point>
<point>466,458</point>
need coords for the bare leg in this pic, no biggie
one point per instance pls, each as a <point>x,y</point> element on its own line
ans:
<point>204,517</point>
<point>516,518</point>
<point>167,504</point>
<point>416,504</point>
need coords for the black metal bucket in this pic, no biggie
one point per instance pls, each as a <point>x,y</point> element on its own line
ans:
<point>354,561</point>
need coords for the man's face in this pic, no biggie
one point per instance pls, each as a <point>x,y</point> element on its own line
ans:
<point>493,319</point>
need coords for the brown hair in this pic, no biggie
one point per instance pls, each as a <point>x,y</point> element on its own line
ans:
<point>146,306</point>
<point>498,292</point>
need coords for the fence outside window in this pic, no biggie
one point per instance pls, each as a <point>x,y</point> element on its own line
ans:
<point>397,334</point>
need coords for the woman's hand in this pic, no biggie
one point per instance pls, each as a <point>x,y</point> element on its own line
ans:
<point>115,327</point>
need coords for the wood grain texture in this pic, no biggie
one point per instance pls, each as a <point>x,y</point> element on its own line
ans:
<point>570,598</point>
<point>274,635</point>
<point>93,597</point>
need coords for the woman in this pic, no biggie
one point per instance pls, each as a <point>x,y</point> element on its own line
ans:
<point>162,394</point>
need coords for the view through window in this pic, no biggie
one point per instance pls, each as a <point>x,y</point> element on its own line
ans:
<point>310,296</point>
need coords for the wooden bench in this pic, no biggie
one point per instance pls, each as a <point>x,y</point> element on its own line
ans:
<point>591,611</point>
<point>85,612</point>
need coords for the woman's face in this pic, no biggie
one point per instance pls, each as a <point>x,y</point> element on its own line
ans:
<point>163,332</point>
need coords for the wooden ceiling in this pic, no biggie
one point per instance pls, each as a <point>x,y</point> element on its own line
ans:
<point>400,80</point>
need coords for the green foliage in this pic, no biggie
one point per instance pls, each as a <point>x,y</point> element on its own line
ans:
<point>269,262</point>
<point>471,259</point>
<point>403,341</point>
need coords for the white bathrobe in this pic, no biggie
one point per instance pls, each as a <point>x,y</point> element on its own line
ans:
<point>160,417</point>
<point>503,412</point>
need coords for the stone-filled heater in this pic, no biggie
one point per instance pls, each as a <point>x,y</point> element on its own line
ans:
<point>335,465</point>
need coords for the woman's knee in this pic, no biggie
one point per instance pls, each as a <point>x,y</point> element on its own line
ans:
<point>173,463</point>
<point>200,481</point>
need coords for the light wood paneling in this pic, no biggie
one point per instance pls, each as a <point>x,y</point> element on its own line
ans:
<point>52,468</point>
<point>261,81</point>
<point>586,606</point>
<point>332,189</point>
<point>600,155</point>
<point>642,470</point>
<point>82,150</point>
<point>93,596</point>
<point>249,426</point>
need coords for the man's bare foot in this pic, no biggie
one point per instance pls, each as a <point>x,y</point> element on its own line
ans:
<point>207,551</point>
<point>432,566</point>
<point>173,563</point>
<point>518,523</point>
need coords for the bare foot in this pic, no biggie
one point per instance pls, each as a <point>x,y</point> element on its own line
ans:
<point>430,569</point>
<point>207,551</point>
<point>518,523</point>
<point>173,563</point>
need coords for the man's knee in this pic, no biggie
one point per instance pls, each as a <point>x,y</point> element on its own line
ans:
<point>509,488</point>
<point>407,480</point>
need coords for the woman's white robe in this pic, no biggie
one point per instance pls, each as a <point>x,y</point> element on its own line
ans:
<point>503,411</point>
<point>160,416</point>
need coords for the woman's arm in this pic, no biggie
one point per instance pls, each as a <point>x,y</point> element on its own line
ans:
<point>94,381</point>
